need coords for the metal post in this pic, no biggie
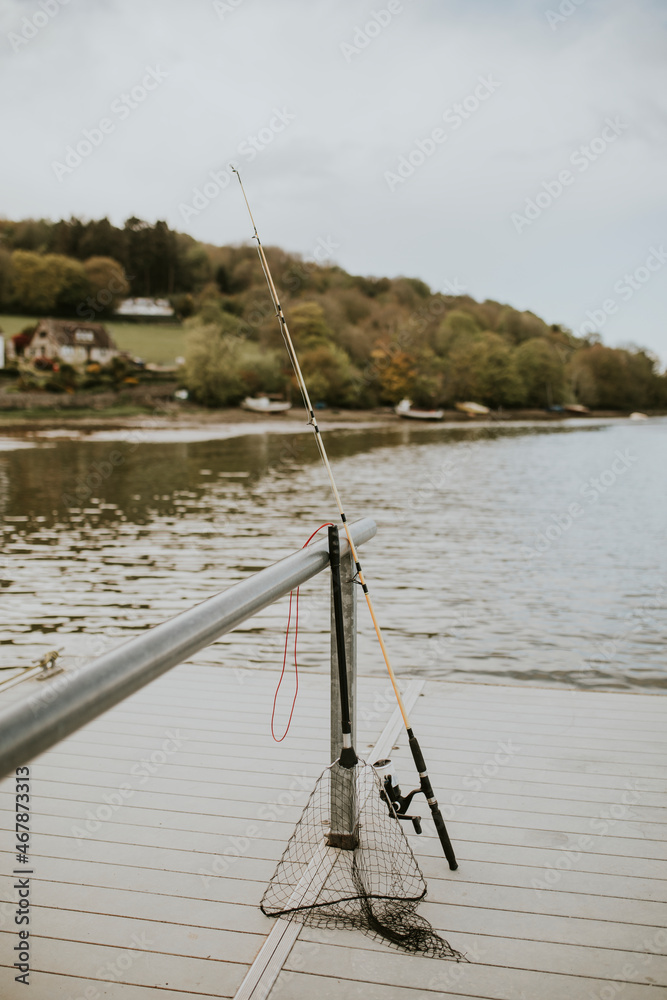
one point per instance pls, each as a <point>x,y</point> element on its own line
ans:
<point>347,572</point>
<point>343,802</point>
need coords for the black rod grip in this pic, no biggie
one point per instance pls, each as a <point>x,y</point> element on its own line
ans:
<point>337,591</point>
<point>427,789</point>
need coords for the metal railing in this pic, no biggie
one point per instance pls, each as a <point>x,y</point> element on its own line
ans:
<point>31,726</point>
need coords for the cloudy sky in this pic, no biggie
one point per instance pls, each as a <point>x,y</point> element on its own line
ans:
<point>511,148</point>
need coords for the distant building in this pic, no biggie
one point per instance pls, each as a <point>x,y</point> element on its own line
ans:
<point>145,307</point>
<point>74,342</point>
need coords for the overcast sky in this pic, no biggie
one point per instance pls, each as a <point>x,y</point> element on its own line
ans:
<point>512,149</point>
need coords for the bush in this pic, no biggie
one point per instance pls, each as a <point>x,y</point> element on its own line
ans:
<point>330,376</point>
<point>221,367</point>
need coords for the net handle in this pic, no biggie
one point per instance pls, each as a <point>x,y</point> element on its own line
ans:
<point>341,655</point>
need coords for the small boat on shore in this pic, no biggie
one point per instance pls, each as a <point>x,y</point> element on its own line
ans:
<point>638,416</point>
<point>405,409</point>
<point>473,409</point>
<point>262,404</point>
<point>575,408</point>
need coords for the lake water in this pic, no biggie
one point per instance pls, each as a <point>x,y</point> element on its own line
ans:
<point>506,553</point>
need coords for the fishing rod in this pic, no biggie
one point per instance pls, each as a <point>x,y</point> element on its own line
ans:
<point>418,757</point>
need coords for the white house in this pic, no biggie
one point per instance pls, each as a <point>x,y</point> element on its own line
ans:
<point>145,307</point>
<point>76,342</point>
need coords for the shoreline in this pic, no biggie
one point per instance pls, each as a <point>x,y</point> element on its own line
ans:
<point>189,415</point>
<point>191,424</point>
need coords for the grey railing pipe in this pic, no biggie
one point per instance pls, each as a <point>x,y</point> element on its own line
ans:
<point>31,726</point>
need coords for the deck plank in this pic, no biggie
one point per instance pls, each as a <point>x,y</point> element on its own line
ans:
<point>562,885</point>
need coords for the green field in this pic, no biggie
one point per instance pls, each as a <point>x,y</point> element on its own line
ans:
<point>157,342</point>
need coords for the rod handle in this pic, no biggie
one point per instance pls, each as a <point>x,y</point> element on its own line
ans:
<point>427,789</point>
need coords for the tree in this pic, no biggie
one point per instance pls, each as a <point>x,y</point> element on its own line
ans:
<point>195,268</point>
<point>456,328</point>
<point>5,278</point>
<point>520,326</point>
<point>101,239</point>
<point>73,283</point>
<point>394,371</point>
<point>32,288</point>
<point>46,283</point>
<point>614,379</point>
<point>66,237</point>
<point>32,235</point>
<point>308,326</point>
<point>484,371</point>
<point>139,257</point>
<point>542,371</point>
<point>330,375</point>
<point>108,284</point>
<point>221,367</point>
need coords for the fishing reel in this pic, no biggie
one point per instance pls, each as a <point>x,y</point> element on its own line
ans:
<point>398,804</point>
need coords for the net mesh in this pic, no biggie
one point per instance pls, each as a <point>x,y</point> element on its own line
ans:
<point>349,864</point>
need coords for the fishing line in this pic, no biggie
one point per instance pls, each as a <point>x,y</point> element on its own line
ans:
<point>296,637</point>
<point>424,780</point>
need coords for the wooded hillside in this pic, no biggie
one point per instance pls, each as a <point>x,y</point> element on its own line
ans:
<point>362,341</point>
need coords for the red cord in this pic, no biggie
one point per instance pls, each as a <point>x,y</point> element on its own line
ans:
<point>296,666</point>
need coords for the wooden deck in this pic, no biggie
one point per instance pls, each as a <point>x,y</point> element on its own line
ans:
<point>156,828</point>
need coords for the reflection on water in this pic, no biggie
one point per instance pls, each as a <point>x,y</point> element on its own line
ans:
<point>502,553</point>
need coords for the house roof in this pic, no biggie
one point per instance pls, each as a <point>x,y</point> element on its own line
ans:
<point>71,332</point>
